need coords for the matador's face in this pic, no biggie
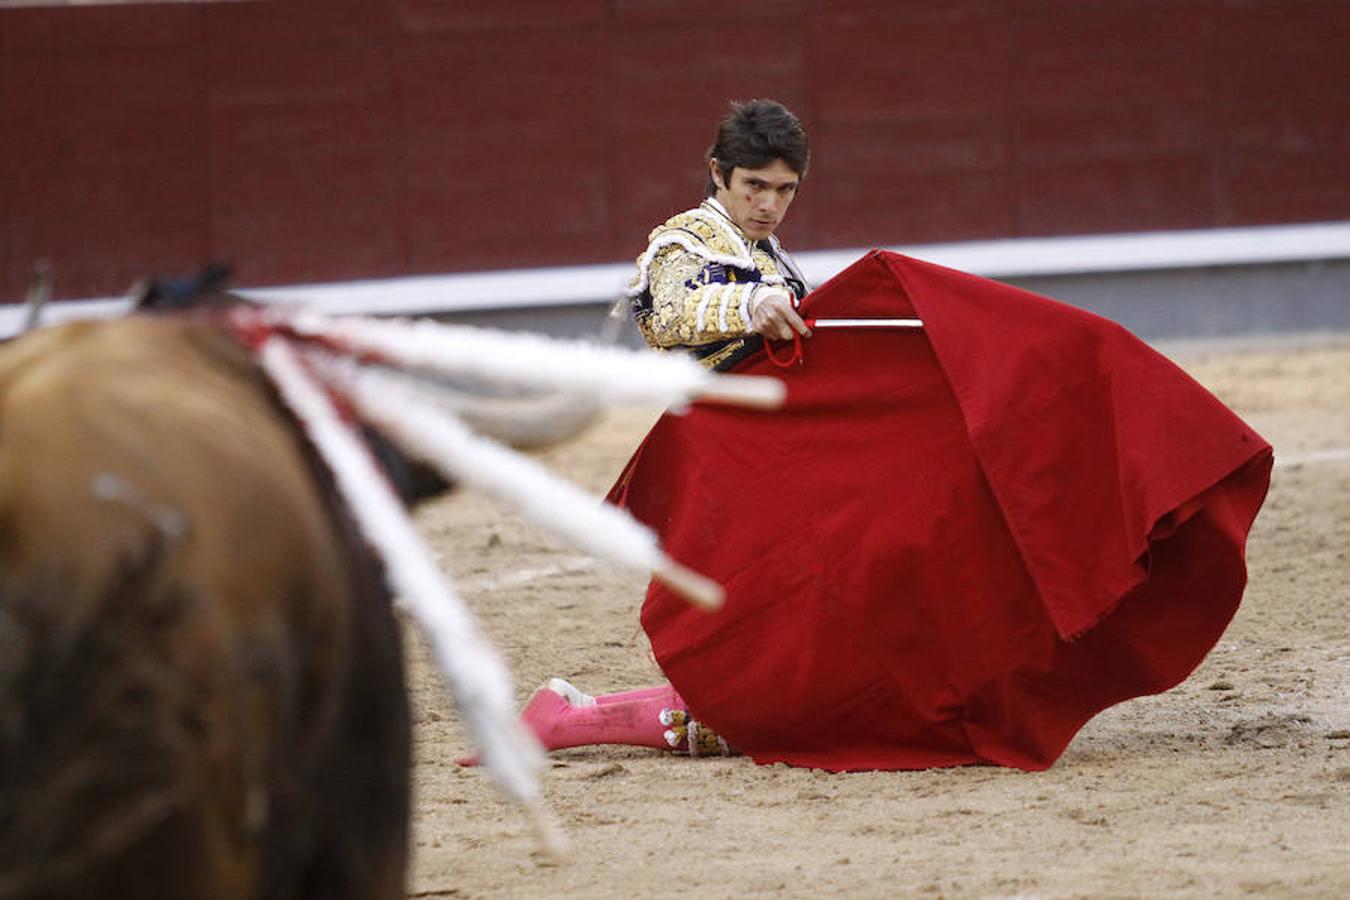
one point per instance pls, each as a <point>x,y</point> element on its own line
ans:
<point>757,199</point>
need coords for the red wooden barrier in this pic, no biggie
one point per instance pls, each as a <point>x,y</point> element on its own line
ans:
<point>314,140</point>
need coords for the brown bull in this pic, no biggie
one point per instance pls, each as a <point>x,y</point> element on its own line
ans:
<point>201,686</point>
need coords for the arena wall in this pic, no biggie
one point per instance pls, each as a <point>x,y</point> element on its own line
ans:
<point>328,140</point>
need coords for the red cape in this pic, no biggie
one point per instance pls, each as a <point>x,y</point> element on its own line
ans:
<point>953,545</point>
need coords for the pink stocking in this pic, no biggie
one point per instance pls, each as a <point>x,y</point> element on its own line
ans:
<point>633,718</point>
<point>562,716</point>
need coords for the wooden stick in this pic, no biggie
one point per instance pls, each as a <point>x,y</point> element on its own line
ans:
<point>39,294</point>
<point>697,589</point>
<point>754,391</point>
<point>613,374</point>
<point>548,831</point>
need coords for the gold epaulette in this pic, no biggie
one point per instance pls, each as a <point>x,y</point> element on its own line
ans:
<point>700,232</point>
<point>710,230</point>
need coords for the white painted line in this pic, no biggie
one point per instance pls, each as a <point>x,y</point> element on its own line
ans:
<point>1078,254</point>
<point>601,284</point>
<point>1334,454</point>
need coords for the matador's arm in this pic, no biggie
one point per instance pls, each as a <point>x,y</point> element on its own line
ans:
<point>695,302</point>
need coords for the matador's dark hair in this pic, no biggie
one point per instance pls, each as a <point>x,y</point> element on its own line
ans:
<point>754,135</point>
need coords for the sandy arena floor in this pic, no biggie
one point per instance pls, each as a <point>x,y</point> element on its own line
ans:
<point>1236,782</point>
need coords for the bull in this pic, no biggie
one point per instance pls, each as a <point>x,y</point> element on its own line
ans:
<point>201,677</point>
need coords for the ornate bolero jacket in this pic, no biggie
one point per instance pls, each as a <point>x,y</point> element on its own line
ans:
<point>696,280</point>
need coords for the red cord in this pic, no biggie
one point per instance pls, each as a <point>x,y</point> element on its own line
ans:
<point>785,362</point>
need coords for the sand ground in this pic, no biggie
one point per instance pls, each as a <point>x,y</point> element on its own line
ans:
<point>1236,782</point>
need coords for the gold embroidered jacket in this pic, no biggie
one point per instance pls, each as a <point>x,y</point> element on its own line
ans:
<point>695,282</point>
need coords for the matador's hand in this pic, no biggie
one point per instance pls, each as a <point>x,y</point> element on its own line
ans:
<point>774,316</point>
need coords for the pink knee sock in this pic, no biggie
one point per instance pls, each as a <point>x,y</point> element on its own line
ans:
<point>632,718</point>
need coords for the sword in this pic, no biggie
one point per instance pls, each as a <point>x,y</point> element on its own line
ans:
<point>863,323</point>
<point>795,355</point>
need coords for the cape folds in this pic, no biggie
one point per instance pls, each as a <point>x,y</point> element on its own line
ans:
<point>953,545</point>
